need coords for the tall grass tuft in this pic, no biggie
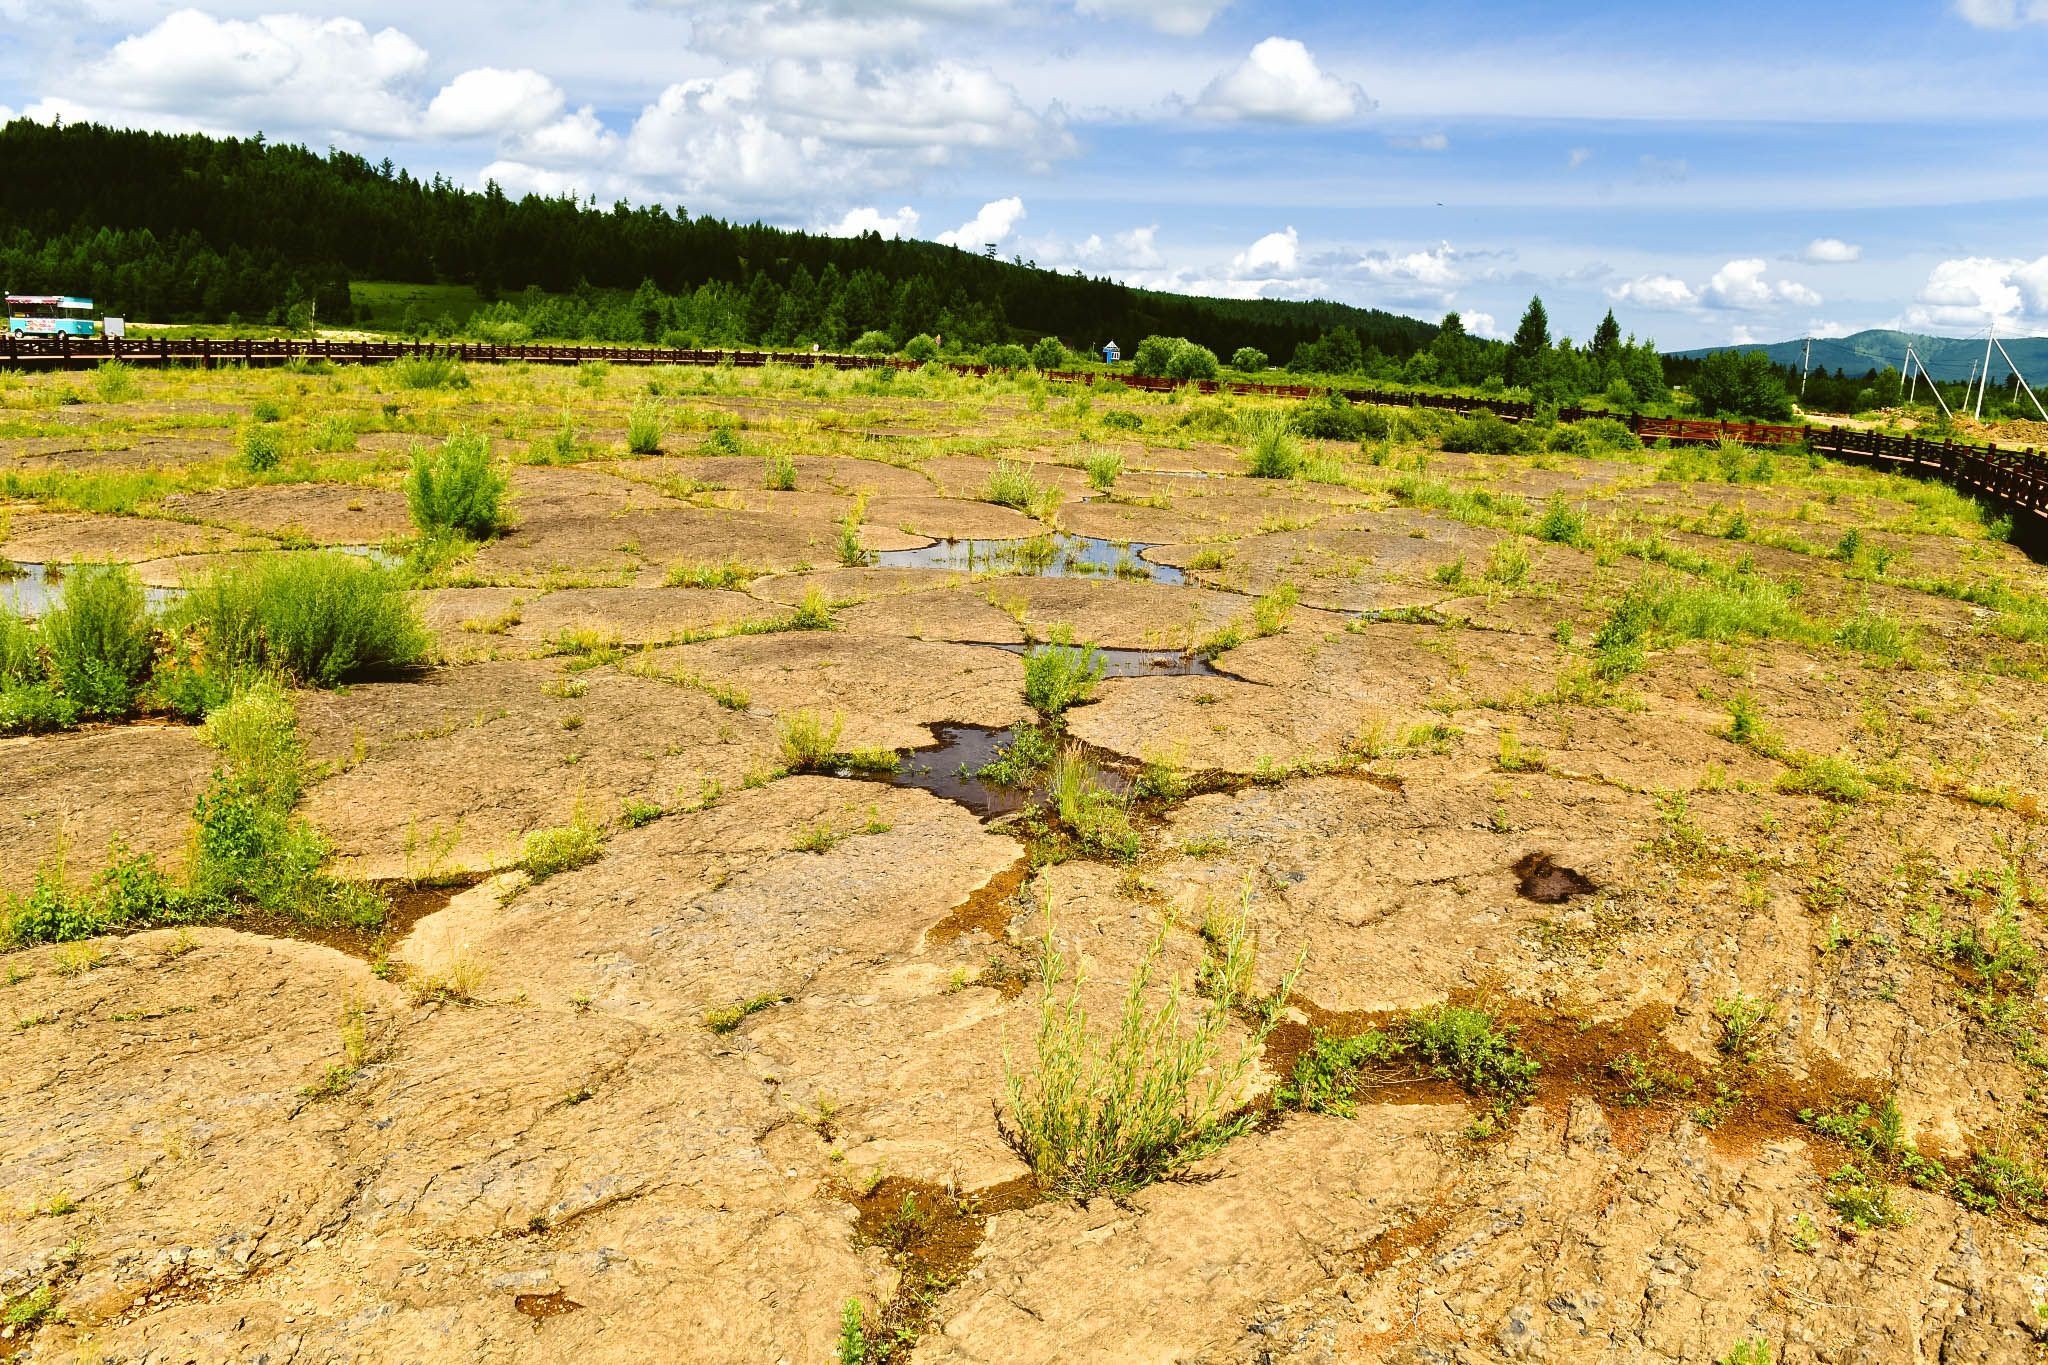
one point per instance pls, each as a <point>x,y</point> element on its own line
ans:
<point>114,381</point>
<point>781,473</point>
<point>317,617</point>
<point>428,372</point>
<point>1059,676</point>
<point>456,490</point>
<point>262,449</point>
<point>809,741</point>
<point>644,427</point>
<point>1110,1111</point>
<point>1103,468</point>
<point>1275,451</point>
<point>99,639</point>
<point>1011,485</point>
<point>29,700</point>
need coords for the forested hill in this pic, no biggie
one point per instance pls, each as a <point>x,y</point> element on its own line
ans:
<point>187,227</point>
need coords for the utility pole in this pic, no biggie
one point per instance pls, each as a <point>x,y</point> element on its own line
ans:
<point>1985,383</point>
<point>1805,369</point>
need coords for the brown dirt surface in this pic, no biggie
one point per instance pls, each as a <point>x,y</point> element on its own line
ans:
<point>669,1052</point>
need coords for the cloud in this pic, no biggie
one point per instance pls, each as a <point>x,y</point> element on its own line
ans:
<point>1831,251</point>
<point>1973,292</point>
<point>1657,170</point>
<point>1481,324</point>
<point>1740,285</point>
<point>1577,157</point>
<point>2002,13</point>
<point>994,223</point>
<point>1276,253</point>
<point>491,100</point>
<point>1654,291</point>
<point>576,139</point>
<point>280,70</point>
<point>854,222</point>
<point>1423,142</point>
<point>1183,17</point>
<point>1281,83</point>
<point>793,28</point>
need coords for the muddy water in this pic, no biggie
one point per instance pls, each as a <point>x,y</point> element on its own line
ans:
<point>1072,557</point>
<point>948,768</point>
<point>32,589</point>
<point>1139,663</point>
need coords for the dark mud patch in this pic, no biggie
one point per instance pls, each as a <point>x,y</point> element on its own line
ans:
<point>1547,883</point>
<point>541,1307</point>
<point>988,909</point>
<point>1136,663</point>
<point>406,904</point>
<point>931,1237</point>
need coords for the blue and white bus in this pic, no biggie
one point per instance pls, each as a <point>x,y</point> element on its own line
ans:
<point>49,315</point>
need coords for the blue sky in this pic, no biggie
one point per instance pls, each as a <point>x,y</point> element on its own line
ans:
<point>1716,173</point>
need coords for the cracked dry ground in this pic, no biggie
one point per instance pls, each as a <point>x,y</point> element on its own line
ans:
<point>575,1166</point>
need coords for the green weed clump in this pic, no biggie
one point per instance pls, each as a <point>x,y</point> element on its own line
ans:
<point>1467,1046</point>
<point>1275,452</point>
<point>1112,1110</point>
<point>561,848</point>
<point>317,617</point>
<point>262,449</point>
<point>644,428</point>
<point>1098,818</point>
<point>29,700</point>
<point>1103,468</point>
<point>1012,485</point>
<point>129,892</point>
<point>247,846</point>
<point>114,381</point>
<point>809,741</point>
<point>1562,524</point>
<point>1059,676</point>
<point>781,473</point>
<point>99,640</point>
<point>456,491</point>
<point>428,372</point>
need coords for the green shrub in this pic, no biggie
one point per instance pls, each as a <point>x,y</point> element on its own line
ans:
<point>1012,485</point>
<point>456,490</point>
<point>1474,1049</point>
<point>1103,468</point>
<point>267,410</point>
<point>262,448</point>
<point>1059,676</point>
<point>114,381</point>
<point>809,741</point>
<point>1174,358</point>
<point>1274,452</point>
<point>1248,360</point>
<point>781,473</point>
<point>316,616</point>
<point>1562,524</point>
<point>428,372</point>
<point>1507,563</point>
<point>129,892</point>
<point>643,428</point>
<point>333,433</point>
<point>98,639</point>
<point>1049,353</point>
<point>1332,419</point>
<point>922,348</point>
<point>562,848</point>
<point>1482,433</point>
<point>1326,1077</point>
<point>1006,357</point>
<point>29,701</point>
<point>1117,1109</point>
<point>813,611</point>
<point>873,343</point>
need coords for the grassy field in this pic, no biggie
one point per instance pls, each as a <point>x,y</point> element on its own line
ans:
<point>875,865</point>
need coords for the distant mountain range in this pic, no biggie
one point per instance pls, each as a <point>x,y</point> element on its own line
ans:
<point>1945,357</point>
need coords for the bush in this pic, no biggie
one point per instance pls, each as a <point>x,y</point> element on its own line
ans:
<point>873,343</point>
<point>643,428</point>
<point>809,741</point>
<point>1174,358</point>
<point>1059,676</point>
<point>1012,485</point>
<point>1248,360</point>
<point>1482,433</point>
<point>1007,357</point>
<point>1562,524</point>
<point>428,372</point>
<point>334,432</point>
<point>922,348</point>
<point>29,702</point>
<point>317,617</point>
<point>1122,419</point>
<point>1274,451</point>
<point>1333,419</point>
<point>98,639</point>
<point>1103,467</point>
<point>544,852</point>
<point>262,449</point>
<point>456,490</point>
<point>129,892</point>
<point>781,473</point>
<point>1116,1109</point>
<point>1049,353</point>
<point>114,381</point>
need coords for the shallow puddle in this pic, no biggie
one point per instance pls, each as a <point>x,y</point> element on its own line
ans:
<point>1048,556</point>
<point>32,589</point>
<point>1140,663</point>
<point>948,769</point>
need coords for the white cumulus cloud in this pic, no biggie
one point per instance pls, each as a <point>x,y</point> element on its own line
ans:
<point>1741,285</point>
<point>1654,291</point>
<point>1276,253</point>
<point>996,221</point>
<point>854,222</point>
<point>1972,292</point>
<point>1280,82</point>
<point>491,100</point>
<point>1831,251</point>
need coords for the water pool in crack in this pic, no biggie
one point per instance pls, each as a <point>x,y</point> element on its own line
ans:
<point>1048,556</point>
<point>32,589</point>
<point>948,770</point>
<point>1138,663</point>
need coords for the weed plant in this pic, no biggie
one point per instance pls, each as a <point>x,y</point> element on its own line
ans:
<point>99,639</point>
<point>456,490</point>
<point>317,617</point>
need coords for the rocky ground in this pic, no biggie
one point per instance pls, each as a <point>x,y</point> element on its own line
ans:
<point>690,1099</point>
